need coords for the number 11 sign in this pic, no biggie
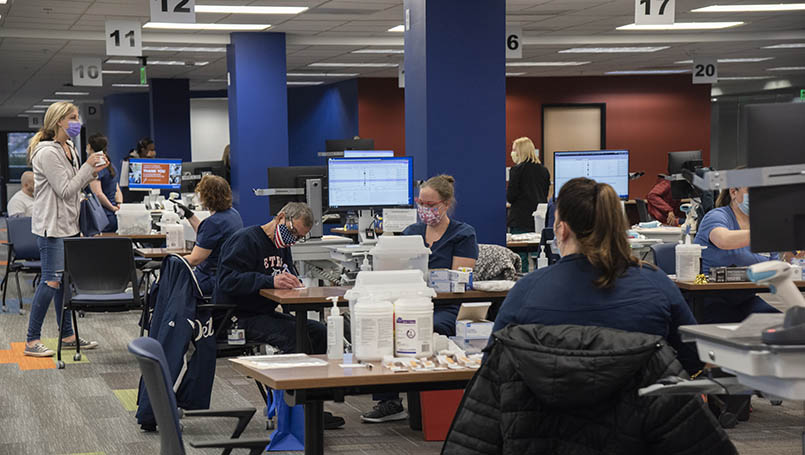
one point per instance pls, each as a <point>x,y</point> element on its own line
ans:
<point>124,38</point>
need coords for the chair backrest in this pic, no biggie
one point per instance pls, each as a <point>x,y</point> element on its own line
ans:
<point>154,369</point>
<point>99,265</point>
<point>21,238</point>
<point>665,256</point>
<point>642,210</point>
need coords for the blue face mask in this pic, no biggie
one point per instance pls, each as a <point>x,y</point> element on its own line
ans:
<point>744,205</point>
<point>73,128</point>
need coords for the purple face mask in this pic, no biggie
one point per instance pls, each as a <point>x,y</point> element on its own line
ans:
<point>73,128</point>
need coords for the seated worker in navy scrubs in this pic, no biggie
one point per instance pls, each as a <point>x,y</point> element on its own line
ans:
<point>213,231</point>
<point>105,187</point>
<point>259,257</point>
<point>597,281</point>
<point>725,232</point>
<point>452,245</point>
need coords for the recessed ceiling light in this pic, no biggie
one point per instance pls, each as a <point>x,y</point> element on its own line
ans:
<point>546,63</point>
<point>305,82</point>
<point>731,60</point>
<point>785,46</point>
<point>682,26</point>
<point>71,93</point>
<point>201,63</point>
<point>34,111</point>
<point>322,74</point>
<point>750,8</point>
<point>122,61</point>
<point>611,50</point>
<point>774,85</point>
<point>379,51</point>
<point>216,80</point>
<point>354,65</point>
<point>202,26</point>
<point>398,28</point>
<point>514,74</point>
<point>117,71</point>
<point>183,49</point>
<point>167,62</point>
<point>787,68</point>
<point>131,85</point>
<point>645,72</point>
<point>226,9</point>
<point>56,100</point>
<point>713,99</point>
<point>742,78</point>
<point>40,106</point>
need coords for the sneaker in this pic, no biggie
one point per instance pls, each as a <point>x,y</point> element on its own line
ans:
<point>332,422</point>
<point>385,411</point>
<point>84,344</point>
<point>38,350</point>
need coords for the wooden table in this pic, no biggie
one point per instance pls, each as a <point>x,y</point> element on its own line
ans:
<point>160,253</point>
<point>311,386</point>
<point>698,292</point>
<point>134,236</point>
<point>301,301</point>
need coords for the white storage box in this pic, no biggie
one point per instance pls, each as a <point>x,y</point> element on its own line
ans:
<point>406,252</point>
<point>133,219</point>
<point>440,286</point>
<point>472,323</point>
<point>439,275</point>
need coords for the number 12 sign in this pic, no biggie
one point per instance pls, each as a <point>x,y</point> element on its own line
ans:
<point>87,72</point>
<point>654,12</point>
<point>173,11</point>
<point>124,38</point>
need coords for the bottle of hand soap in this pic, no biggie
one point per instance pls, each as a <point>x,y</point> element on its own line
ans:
<point>335,331</point>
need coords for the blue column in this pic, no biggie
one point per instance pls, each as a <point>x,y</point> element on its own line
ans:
<point>258,117</point>
<point>127,118</point>
<point>455,104</point>
<point>170,117</point>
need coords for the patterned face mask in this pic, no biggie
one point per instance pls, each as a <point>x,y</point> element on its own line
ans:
<point>283,237</point>
<point>429,215</point>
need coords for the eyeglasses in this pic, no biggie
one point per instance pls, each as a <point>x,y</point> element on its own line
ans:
<point>428,204</point>
<point>295,233</point>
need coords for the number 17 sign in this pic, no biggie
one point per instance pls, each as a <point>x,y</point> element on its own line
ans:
<point>654,12</point>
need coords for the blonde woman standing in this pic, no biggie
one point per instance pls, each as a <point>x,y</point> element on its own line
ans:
<point>59,179</point>
<point>529,182</point>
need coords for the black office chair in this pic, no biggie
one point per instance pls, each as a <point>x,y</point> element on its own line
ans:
<point>665,257</point>
<point>99,270</point>
<point>23,254</point>
<point>642,211</point>
<point>154,369</point>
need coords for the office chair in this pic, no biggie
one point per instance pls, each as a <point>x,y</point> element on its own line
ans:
<point>154,369</point>
<point>642,211</point>
<point>99,270</point>
<point>23,254</point>
<point>665,257</point>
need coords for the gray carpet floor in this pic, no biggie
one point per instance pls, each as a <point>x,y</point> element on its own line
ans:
<point>86,408</point>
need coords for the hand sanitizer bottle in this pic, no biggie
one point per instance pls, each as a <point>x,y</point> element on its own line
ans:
<point>335,332</point>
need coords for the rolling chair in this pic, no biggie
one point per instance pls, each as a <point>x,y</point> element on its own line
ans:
<point>642,211</point>
<point>23,254</point>
<point>665,257</point>
<point>154,369</point>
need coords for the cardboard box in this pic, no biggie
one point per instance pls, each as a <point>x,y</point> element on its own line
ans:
<point>459,277</point>
<point>439,275</point>
<point>440,285</point>
<point>472,323</point>
<point>458,287</point>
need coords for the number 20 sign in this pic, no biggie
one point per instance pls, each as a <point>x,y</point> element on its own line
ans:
<point>124,38</point>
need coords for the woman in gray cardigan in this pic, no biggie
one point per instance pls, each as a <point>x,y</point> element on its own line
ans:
<point>58,181</point>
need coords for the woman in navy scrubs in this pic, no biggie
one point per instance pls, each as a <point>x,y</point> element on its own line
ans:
<point>105,188</point>
<point>452,245</point>
<point>597,281</point>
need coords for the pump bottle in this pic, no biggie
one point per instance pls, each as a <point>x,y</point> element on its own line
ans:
<point>335,331</point>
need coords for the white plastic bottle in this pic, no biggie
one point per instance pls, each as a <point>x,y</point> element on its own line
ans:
<point>374,329</point>
<point>542,260</point>
<point>413,327</point>
<point>335,332</point>
<point>688,259</point>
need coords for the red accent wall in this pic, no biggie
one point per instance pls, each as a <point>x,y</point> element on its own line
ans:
<point>649,116</point>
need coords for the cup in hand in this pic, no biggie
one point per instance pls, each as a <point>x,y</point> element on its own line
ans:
<point>101,159</point>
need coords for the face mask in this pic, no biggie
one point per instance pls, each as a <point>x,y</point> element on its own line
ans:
<point>429,215</point>
<point>73,128</point>
<point>283,237</point>
<point>744,205</point>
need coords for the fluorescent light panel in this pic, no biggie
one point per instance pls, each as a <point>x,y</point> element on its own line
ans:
<point>226,9</point>
<point>682,26</point>
<point>751,8</point>
<point>645,72</point>
<point>787,68</point>
<point>398,28</point>
<point>732,60</point>
<point>353,65</point>
<point>216,80</point>
<point>322,74</point>
<point>514,74</point>
<point>379,51</point>
<point>34,111</point>
<point>130,85</point>
<point>117,71</point>
<point>785,46</point>
<point>122,61</point>
<point>776,85</point>
<point>305,82</point>
<point>40,106</point>
<point>203,26</point>
<point>56,100</point>
<point>183,49</point>
<point>71,93</point>
<point>742,78</point>
<point>546,63</point>
<point>612,50</point>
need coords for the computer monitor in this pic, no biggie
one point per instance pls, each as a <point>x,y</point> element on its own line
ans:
<point>368,153</point>
<point>161,173</point>
<point>293,177</point>
<point>192,172</point>
<point>684,160</point>
<point>18,154</point>
<point>339,145</point>
<point>366,183</point>
<point>604,166</point>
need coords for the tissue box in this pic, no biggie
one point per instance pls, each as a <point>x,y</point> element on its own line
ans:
<point>472,323</point>
<point>458,287</point>
<point>439,275</point>
<point>440,285</point>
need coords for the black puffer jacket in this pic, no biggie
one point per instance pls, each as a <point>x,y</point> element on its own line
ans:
<point>568,389</point>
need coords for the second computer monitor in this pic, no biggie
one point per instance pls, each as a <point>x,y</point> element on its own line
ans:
<point>365,183</point>
<point>192,172</point>
<point>147,174</point>
<point>603,166</point>
<point>679,160</point>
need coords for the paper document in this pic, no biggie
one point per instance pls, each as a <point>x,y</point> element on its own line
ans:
<point>396,220</point>
<point>272,362</point>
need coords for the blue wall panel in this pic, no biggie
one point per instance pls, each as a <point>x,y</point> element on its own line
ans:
<point>128,119</point>
<point>170,117</point>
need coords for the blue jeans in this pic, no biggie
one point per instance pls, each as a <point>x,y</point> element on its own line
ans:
<point>51,252</point>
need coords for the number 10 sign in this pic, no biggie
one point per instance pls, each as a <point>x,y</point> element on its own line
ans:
<point>87,72</point>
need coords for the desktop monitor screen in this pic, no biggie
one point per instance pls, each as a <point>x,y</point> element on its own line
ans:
<point>339,145</point>
<point>146,174</point>
<point>362,183</point>
<point>605,166</point>
<point>18,154</point>
<point>294,177</point>
<point>192,172</point>
<point>368,153</point>
<point>677,160</point>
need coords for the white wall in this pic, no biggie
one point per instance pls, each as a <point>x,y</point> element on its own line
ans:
<point>209,128</point>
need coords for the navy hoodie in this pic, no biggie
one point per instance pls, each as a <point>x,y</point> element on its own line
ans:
<point>249,261</point>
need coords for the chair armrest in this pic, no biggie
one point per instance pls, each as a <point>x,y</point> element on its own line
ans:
<point>244,415</point>
<point>256,446</point>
